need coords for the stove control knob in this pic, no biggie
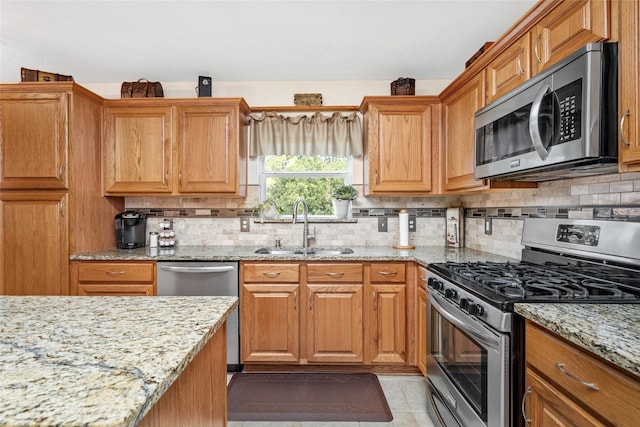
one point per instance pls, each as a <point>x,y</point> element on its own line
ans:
<point>450,293</point>
<point>436,284</point>
<point>476,310</point>
<point>464,303</point>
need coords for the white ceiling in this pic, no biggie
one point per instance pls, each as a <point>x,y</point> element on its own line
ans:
<point>258,40</point>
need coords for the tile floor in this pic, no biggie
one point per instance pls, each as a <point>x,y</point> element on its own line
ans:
<point>406,396</point>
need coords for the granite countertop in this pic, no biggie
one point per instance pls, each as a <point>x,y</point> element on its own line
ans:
<point>424,255</point>
<point>611,331</point>
<point>97,361</point>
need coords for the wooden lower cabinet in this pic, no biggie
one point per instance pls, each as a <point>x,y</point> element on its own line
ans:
<point>334,323</point>
<point>108,278</point>
<point>568,386</point>
<point>349,313</point>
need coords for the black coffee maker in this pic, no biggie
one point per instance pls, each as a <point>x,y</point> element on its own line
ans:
<point>131,227</point>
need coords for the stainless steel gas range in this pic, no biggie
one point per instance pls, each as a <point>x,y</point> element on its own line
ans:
<point>475,343</point>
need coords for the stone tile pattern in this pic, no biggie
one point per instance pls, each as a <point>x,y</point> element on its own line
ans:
<point>607,330</point>
<point>102,361</point>
<point>214,221</point>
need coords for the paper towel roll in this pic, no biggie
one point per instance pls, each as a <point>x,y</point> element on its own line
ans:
<point>403,227</point>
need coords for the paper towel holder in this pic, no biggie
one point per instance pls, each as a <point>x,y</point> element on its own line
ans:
<point>399,245</point>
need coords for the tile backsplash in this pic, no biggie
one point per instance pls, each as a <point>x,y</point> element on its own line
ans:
<point>215,221</point>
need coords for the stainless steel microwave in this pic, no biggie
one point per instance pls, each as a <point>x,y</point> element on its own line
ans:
<point>559,124</point>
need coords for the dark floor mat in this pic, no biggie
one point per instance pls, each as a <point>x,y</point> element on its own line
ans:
<point>306,397</point>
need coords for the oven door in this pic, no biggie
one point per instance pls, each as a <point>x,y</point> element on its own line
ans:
<point>467,364</point>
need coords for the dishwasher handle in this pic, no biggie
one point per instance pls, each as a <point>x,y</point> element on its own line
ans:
<point>195,269</point>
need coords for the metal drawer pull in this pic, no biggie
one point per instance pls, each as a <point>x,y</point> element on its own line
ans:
<point>622,120</point>
<point>334,274</point>
<point>271,274</point>
<point>388,273</point>
<point>114,273</point>
<point>592,386</point>
<point>295,300</point>
<point>524,411</point>
<point>535,48</point>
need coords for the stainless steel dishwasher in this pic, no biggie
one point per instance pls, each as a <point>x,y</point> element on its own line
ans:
<point>205,278</point>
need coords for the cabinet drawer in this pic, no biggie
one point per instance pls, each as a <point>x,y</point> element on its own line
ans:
<point>618,395</point>
<point>116,272</point>
<point>116,290</point>
<point>270,273</point>
<point>334,272</point>
<point>388,272</point>
<point>422,277</point>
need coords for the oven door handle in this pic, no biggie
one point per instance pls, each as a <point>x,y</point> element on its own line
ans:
<point>484,337</point>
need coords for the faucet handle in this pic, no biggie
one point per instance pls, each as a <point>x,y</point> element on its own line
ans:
<point>278,243</point>
<point>312,236</point>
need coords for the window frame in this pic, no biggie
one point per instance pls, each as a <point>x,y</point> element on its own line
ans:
<point>263,175</point>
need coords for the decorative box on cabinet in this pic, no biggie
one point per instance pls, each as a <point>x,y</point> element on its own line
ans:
<point>50,182</point>
<point>401,136</point>
<point>176,147</point>
<point>566,385</point>
<point>130,278</point>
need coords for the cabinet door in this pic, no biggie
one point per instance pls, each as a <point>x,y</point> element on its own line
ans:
<point>334,323</point>
<point>629,86</point>
<point>270,326</point>
<point>137,150</point>
<point>34,254</point>
<point>399,145</point>
<point>509,69</point>
<point>387,324</point>
<point>207,149</point>
<point>34,140</point>
<point>545,406</point>
<point>567,28</point>
<point>459,136</point>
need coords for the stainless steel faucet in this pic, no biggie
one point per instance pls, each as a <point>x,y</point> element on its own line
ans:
<point>306,236</point>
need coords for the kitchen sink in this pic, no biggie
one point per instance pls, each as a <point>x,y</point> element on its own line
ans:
<point>305,251</point>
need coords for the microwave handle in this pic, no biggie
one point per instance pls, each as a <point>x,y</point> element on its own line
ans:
<point>534,116</point>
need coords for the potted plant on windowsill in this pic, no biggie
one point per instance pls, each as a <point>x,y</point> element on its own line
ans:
<point>267,209</point>
<point>341,199</point>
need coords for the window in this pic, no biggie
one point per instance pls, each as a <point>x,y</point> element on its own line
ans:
<point>286,178</point>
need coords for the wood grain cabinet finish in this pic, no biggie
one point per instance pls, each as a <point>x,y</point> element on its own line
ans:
<point>270,312</point>
<point>629,86</point>
<point>34,246</point>
<point>34,140</point>
<point>176,147</point>
<point>567,28</point>
<point>123,278</point>
<point>567,385</point>
<point>334,319</point>
<point>50,180</point>
<point>386,304</point>
<point>421,327</point>
<point>401,144</point>
<point>511,68</point>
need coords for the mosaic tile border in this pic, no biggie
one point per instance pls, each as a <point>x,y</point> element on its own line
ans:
<point>617,213</point>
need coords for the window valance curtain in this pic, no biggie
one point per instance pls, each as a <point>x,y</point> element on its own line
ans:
<point>334,135</point>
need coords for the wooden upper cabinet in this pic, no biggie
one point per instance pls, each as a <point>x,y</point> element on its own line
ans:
<point>137,149</point>
<point>459,135</point>
<point>207,149</point>
<point>511,68</point>
<point>567,28</point>
<point>176,147</point>
<point>34,136</point>
<point>629,86</point>
<point>401,140</point>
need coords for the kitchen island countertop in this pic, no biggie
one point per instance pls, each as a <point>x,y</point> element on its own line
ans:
<point>611,331</point>
<point>97,361</point>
